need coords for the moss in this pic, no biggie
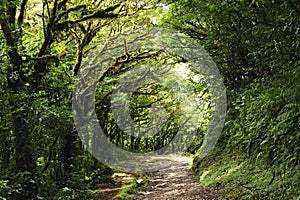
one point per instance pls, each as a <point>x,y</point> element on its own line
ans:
<point>249,179</point>
<point>130,190</point>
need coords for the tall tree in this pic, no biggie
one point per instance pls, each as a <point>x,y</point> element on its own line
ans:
<point>28,64</point>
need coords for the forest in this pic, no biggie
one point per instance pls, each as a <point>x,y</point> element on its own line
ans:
<point>238,117</point>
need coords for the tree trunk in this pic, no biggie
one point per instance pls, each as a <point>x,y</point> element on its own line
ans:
<point>67,153</point>
<point>24,167</point>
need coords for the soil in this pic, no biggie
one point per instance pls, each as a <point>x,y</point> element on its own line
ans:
<point>112,187</point>
<point>174,179</point>
<point>170,178</point>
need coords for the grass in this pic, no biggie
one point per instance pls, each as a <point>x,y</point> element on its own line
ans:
<point>240,178</point>
<point>131,189</point>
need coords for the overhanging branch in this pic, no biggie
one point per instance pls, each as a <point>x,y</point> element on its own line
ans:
<point>100,14</point>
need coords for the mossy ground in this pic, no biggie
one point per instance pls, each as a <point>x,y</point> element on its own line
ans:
<point>247,178</point>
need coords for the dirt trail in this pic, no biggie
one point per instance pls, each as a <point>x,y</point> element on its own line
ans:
<point>172,178</point>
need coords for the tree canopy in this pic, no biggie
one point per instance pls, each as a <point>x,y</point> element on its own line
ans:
<point>43,44</point>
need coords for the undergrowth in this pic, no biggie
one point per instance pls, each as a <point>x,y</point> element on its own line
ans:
<point>128,191</point>
<point>240,178</point>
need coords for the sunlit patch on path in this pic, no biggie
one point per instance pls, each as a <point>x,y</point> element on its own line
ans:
<point>174,180</point>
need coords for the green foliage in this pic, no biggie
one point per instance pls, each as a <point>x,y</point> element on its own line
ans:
<point>258,153</point>
<point>267,119</point>
<point>255,45</point>
<point>39,55</point>
<point>130,190</point>
<point>247,39</point>
<point>15,187</point>
<point>238,178</point>
<point>73,194</point>
<point>142,101</point>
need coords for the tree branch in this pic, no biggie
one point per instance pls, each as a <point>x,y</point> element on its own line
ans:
<point>43,58</point>
<point>70,10</point>
<point>22,12</point>
<point>100,14</point>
